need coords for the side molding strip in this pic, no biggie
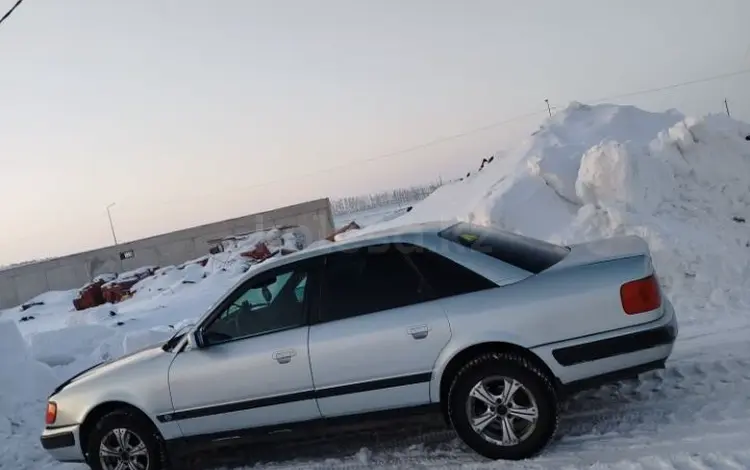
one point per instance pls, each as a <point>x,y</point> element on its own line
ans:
<point>299,396</point>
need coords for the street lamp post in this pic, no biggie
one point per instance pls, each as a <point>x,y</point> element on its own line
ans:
<point>114,236</point>
<point>111,225</point>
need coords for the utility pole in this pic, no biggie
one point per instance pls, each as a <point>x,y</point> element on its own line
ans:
<point>111,225</point>
<point>549,110</point>
<point>726,105</point>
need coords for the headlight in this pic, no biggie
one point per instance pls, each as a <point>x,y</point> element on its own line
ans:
<point>51,415</point>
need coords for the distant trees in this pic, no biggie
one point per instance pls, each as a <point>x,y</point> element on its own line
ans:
<point>400,196</point>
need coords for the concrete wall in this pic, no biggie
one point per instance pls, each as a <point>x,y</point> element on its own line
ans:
<point>22,283</point>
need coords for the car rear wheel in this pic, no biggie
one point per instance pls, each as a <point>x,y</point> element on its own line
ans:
<point>503,407</point>
<point>123,441</point>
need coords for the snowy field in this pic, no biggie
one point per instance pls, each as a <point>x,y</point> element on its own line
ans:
<point>372,216</point>
<point>681,183</point>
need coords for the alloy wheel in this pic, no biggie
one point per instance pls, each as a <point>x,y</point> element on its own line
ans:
<point>122,449</point>
<point>502,410</point>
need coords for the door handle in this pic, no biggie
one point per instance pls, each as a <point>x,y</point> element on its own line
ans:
<point>283,357</point>
<point>419,332</point>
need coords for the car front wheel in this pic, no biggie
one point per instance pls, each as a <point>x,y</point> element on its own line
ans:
<point>503,407</point>
<point>123,441</point>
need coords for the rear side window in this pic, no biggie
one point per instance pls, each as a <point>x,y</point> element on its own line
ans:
<point>526,253</point>
<point>446,277</point>
<point>369,280</point>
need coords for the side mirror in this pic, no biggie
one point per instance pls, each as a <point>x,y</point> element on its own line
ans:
<point>197,340</point>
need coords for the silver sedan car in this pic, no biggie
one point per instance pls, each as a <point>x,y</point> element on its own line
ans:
<point>488,328</point>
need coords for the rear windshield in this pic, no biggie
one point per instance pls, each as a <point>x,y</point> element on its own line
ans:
<point>529,254</point>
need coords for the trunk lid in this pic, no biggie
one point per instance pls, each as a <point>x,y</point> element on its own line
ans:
<point>599,251</point>
<point>600,269</point>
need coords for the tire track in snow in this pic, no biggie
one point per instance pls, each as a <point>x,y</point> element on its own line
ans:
<point>681,394</point>
<point>707,452</point>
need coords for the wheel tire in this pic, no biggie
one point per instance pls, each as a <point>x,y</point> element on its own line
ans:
<point>536,383</point>
<point>134,424</point>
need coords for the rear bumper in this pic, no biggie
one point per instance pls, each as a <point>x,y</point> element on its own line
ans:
<point>613,355</point>
<point>616,346</point>
<point>63,444</point>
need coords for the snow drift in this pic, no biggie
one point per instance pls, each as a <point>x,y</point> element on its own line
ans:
<point>681,183</point>
<point>23,399</point>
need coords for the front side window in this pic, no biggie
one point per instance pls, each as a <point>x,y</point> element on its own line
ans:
<point>268,303</point>
<point>369,280</point>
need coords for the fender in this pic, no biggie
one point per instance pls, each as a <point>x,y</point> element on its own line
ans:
<point>458,344</point>
<point>168,429</point>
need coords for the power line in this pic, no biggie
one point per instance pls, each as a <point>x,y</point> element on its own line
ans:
<point>10,12</point>
<point>527,115</point>
<point>474,131</point>
<point>370,159</point>
<point>374,158</point>
<point>669,87</point>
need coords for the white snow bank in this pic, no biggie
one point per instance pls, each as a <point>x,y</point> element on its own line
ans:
<point>598,171</point>
<point>45,346</point>
<point>23,397</point>
<point>137,340</point>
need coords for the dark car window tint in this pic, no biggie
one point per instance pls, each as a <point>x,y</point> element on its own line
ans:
<point>529,254</point>
<point>369,280</point>
<point>263,307</point>
<point>444,275</point>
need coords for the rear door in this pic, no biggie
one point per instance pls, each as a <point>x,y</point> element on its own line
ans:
<point>378,333</point>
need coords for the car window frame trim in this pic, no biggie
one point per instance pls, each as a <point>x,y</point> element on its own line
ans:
<point>312,265</point>
<point>315,317</point>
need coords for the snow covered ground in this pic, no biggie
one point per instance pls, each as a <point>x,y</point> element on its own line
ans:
<point>372,216</point>
<point>681,183</point>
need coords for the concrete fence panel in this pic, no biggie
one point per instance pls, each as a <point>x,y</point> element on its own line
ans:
<point>19,284</point>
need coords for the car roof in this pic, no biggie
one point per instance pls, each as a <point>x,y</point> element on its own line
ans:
<point>387,234</point>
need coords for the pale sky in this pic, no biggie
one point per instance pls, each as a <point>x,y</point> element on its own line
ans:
<point>177,110</point>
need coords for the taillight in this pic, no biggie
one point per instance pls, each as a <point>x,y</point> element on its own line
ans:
<point>640,296</point>
<point>51,413</point>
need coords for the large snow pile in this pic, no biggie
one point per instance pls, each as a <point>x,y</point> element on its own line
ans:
<point>26,383</point>
<point>682,183</point>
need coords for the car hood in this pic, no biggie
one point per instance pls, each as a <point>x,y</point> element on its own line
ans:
<point>108,367</point>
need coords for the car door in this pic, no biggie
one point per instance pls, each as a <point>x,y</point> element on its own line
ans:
<point>253,368</point>
<point>377,335</point>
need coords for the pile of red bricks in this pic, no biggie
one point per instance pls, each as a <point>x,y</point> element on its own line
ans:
<point>89,296</point>
<point>119,289</point>
<point>100,291</point>
<point>259,253</point>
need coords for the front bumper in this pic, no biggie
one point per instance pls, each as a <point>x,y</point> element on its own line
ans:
<point>63,443</point>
